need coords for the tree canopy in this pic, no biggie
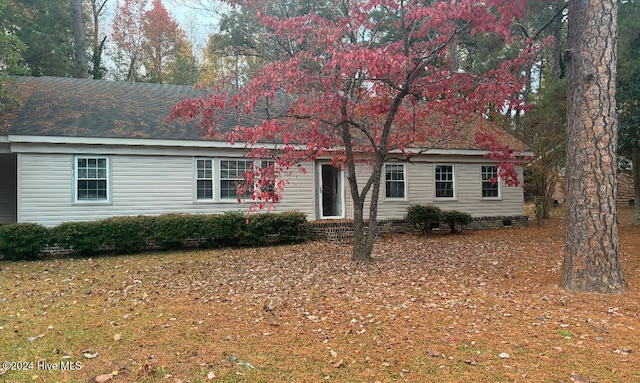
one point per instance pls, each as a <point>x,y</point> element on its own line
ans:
<point>366,82</point>
<point>148,41</point>
<point>44,27</point>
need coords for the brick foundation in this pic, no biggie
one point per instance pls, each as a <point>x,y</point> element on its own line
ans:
<point>341,231</point>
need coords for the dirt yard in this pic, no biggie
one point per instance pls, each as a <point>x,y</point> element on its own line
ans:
<point>477,307</point>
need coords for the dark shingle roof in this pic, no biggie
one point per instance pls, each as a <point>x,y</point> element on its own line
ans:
<point>107,109</point>
<point>70,107</point>
<point>20,89</point>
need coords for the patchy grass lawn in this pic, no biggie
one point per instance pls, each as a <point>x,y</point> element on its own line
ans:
<point>477,307</point>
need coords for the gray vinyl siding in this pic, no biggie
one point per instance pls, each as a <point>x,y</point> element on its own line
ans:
<point>151,183</point>
<point>420,189</point>
<point>139,185</point>
<point>8,188</point>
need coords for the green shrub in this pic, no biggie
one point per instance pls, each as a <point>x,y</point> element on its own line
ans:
<point>292,227</point>
<point>126,235</point>
<point>171,231</point>
<point>425,217</point>
<point>260,230</point>
<point>22,241</point>
<point>85,238</point>
<point>282,228</point>
<point>456,220</point>
<point>223,230</point>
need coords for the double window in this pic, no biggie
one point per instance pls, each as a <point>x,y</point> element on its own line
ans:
<point>91,179</point>
<point>230,176</point>
<point>395,180</point>
<point>490,182</point>
<point>445,181</point>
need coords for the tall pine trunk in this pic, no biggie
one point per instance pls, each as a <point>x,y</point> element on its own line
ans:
<point>82,63</point>
<point>635,164</point>
<point>591,254</point>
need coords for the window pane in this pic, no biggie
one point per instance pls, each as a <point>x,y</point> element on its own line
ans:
<point>394,181</point>
<point>490,186</point>
<point>205,189</point>
<point>231,175</point>
<point>204,179</point>
<point>270,185</point>
<point>228,189</point>
<point>444,181</point>
<point>92,179</point>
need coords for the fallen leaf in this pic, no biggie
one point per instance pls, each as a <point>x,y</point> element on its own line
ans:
<point>211,375</point>
<point>146,368</point>
<point>117,337</point>
<point>333,353</point>
<point>622,351</point>
<point>579,378</point>
<point>339,363</point>
<point>103,378</point>
<point>504,355</point>
<point>32,338</point>
<point>434,353</point>
<point>471,362</point>
<point>89,355</point>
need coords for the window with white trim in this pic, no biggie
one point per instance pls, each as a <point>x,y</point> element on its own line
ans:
<point>270,185</point>
<point>204,179</point>
<point>490,182</point>
<point>231,175</point>
<point>395,180</point>
<point>445,185</point>
<point>92,179</point>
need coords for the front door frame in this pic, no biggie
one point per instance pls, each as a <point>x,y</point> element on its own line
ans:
<point>338,192</point>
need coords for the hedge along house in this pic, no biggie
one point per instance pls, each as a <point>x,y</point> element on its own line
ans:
<point>80,150</point>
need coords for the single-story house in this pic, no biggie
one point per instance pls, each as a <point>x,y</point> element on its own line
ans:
<point>79,150</point>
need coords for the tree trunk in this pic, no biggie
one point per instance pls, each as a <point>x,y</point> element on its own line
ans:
<point>364,237</point>
<point>557,64</point>
<point>591,254</point>
<point>97,71</point>
<point>78,39</point>
<point>635,164</point>
<point>364,251</point>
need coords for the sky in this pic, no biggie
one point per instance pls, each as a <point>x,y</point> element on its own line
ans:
<point>197,17</point>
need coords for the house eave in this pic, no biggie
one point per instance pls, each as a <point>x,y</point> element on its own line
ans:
<point>145,142</point>
<point>471,152</point>
<point>42,140</point>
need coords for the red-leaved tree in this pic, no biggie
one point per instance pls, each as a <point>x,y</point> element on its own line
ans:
<point>163,39</point>
<point>361,83</point>
<point>128,36</point>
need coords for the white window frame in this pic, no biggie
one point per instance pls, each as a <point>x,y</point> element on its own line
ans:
<point>238,178</point>
<point>453,182</point>
<point>403,181</point>
<point>495,186</point>
<point>204,178</point>
<point>87,176</point>
<point>263,164</point>
<point>216,179</point>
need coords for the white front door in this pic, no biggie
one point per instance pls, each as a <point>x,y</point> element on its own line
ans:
<point>331,192</point>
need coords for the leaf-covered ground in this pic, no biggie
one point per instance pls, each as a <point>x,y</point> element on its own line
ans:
<point>476,307</point>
